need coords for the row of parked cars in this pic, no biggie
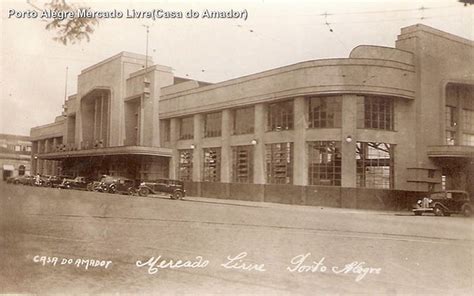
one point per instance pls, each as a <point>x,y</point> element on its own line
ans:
<point>111,184</point>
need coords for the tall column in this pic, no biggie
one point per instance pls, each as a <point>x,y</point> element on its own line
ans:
<point>197,153</point>
<point>348,148</point>
<point>174,134</point>
<point>96,120</point>
<point>300,154</point>
<point>34,160</point>
<point>259,152</point>
<point>226,151</point>
<point>459,140</point>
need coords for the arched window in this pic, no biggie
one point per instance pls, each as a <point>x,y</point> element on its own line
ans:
<point>21,170</point>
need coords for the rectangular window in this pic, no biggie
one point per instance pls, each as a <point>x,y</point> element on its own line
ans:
<point>242,164</point>
<point>28,148</point>
<point>213,124</point>
<point>468,127</point>
<point>325,112</point>
<point>374,165</point>
<point>279,163</point>
<point>186,128</point>
<point>324,160</point>
<point>451,125</point>
<point>166,130</point>
<point>17,148</point>
<point>212,165</point>
<point>280,116</point>
<point>244,121</point>
<point>185,166</point>
<point>375,112</point>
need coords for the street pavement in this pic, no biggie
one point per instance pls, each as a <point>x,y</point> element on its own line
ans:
<point>75,242</point>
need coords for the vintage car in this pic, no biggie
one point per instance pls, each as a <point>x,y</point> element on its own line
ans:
<point>445,203</point>
<point>80,183</point>
<point>122,185</point>
<point>12,180</point>
<point>25,180</point>
<point>174,188</point>
<point>55,181</point>
<point>115,184</point>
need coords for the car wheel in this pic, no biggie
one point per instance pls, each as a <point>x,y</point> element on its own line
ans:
<point>438,211</point>
<point>143,191</point>
<point>467,211</point>
<point>418,213</point>
<point>112,189</point>
<point>177,195</point>
<point>131,191</point>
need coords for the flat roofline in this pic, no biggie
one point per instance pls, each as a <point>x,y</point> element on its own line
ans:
<point>424,28</point>
<point>114,57</point>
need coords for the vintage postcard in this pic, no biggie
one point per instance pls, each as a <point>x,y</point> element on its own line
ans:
<point>257,147</point>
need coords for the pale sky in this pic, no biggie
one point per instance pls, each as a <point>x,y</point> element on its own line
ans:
<point>276,33</point>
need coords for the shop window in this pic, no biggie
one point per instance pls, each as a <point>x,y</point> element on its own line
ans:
<point>244,120</point>
<point>324,112</point>
<point>21,170</point>
<point>280,116</point>
<point>185,169</point>
<point>324,159</point>
<point>242,164</point>
<point>374,165</point>
<point>17,148</point>
<point>213,124</point>
<point>186,128</point>
<point>212,165</point>
<point>279,163</point>
<point>375,113</point>
<point>28,148</point>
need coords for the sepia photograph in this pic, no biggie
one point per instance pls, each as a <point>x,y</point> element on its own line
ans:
<point>237,147</point>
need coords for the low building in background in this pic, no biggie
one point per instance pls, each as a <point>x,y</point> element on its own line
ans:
<point>15,155</point>
<point>368,131</point>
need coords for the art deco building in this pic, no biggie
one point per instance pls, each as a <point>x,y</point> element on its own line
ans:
<point>365,131</point>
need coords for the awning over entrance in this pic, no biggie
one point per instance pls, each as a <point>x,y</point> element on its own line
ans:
<point>450,151</point>
<point>118,150</point>
<point>8,167</point>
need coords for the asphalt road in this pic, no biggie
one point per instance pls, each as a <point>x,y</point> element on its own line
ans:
<point>232,247</point>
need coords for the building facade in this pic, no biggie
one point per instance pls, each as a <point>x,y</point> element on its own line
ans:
<point>15,155</point>
<point>364,131</point>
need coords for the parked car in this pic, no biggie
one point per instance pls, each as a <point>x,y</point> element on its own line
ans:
<point>12,180</point>
<point>445,203</point>
<point>174,188</point>
<point>121,185</point>
<point>80,183</point>
<point>25,180</point>
<point>55,181</point>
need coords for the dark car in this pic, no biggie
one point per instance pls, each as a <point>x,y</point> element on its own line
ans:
<point>55,181</point>
<point>445,203</point>
<point>12,180</point>
<point>174,188</point>
<point>80,183</point>
<point>25,180</point>
<point>121,185</point>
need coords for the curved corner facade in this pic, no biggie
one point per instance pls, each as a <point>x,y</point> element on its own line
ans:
<point>369,131</point>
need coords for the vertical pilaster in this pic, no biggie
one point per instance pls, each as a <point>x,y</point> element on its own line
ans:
<point>348,145</point>
<point>174,134</point>
<point>226,151</point>
<point>197,153</point>
<point>259,152</point>
<point>300,157</point>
